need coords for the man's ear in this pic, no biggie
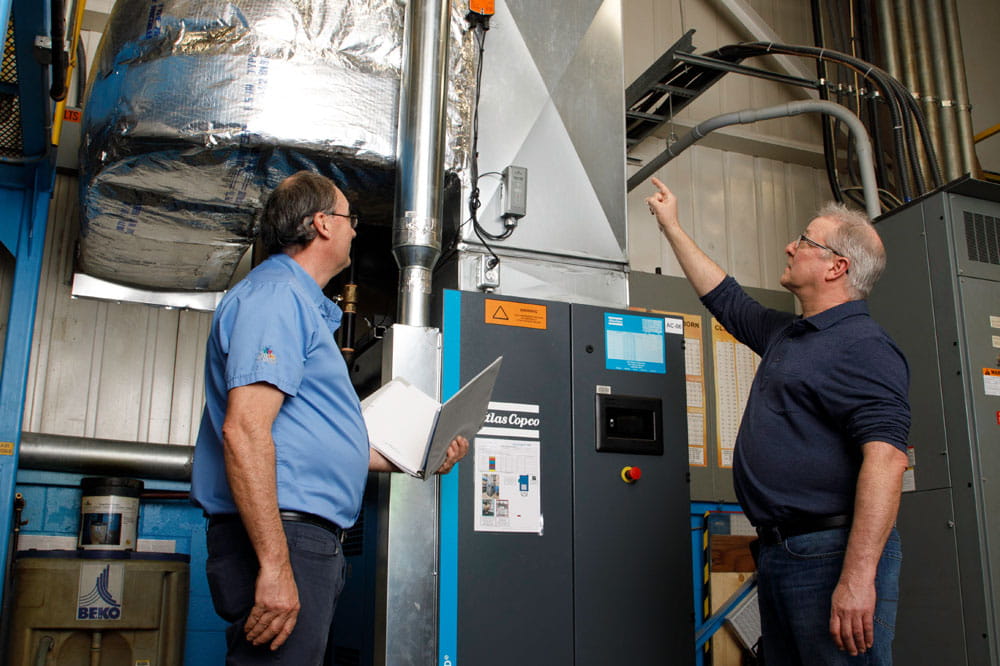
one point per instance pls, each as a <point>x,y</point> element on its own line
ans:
<point>321,224</point>
<point>840,267</point>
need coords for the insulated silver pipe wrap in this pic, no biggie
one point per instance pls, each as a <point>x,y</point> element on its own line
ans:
<point>106,457</point>
<point>862,144</point>
<point>416,236</point>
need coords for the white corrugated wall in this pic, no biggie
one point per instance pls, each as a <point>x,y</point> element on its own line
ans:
<point>109,370</point>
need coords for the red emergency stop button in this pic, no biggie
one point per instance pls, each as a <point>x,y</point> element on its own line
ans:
<point>631,474</point>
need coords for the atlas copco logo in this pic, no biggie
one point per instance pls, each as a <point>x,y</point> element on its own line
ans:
<point>100,592</point>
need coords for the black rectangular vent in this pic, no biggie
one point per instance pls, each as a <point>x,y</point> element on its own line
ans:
<point>354,538</point>
<point>982,237</point>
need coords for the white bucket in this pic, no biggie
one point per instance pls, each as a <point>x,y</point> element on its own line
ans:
<point>109,513</point>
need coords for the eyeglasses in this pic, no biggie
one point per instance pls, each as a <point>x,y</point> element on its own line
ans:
<point>810,241</point>
<point>353,217</point>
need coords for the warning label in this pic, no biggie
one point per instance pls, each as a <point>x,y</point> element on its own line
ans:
<point>991,381</point>
<point>511,313</point>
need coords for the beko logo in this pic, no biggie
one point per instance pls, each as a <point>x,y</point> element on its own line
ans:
<point>100,592</point>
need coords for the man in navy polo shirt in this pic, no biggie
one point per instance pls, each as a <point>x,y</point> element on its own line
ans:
<point>282,455</point>
<point>821,450</point>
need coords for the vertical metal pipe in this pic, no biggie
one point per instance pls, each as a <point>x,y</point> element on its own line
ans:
<point>406,635</point>
<point>416,236</point>
<point>948,147</point>
<point>887,29</point>
<point>905,39</point>
<point>906,51</point>
<point>925,76</point>
<point>956,58</point>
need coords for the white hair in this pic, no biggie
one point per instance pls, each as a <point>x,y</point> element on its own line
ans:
<point>855,237</point>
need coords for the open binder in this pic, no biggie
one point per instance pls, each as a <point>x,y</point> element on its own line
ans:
<point>413,430</point>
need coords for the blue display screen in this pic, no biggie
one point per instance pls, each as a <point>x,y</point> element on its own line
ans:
<point>635,343</point>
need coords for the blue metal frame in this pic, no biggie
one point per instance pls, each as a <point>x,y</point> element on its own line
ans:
<point>700,572</point>
<point>718,618</point>
<point>25,191</point>
<point>448,557</point>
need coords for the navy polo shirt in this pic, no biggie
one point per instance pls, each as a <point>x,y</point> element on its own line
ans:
<point>826,385</point>
<point>276,326</point>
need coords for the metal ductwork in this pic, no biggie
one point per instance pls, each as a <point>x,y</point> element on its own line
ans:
<point>196,109</point>
<point>105,457</point>
<point>416,237</point>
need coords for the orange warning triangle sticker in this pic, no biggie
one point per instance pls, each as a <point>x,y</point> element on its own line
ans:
<point>516,313</point>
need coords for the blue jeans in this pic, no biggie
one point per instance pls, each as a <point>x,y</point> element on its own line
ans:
<point>318,565</point>
<point>796,579</point>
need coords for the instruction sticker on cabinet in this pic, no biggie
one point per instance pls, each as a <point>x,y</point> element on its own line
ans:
<point>991,381</point>
<point>507,495</point>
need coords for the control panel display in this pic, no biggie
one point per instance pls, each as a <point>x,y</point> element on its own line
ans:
<point>635,343</point>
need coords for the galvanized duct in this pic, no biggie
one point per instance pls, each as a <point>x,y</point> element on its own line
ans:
<point>923,48</point>
<point>197,108</point>
<point>416,237</point>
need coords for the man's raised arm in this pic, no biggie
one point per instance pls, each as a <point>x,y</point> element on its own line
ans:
<point>703,273</point>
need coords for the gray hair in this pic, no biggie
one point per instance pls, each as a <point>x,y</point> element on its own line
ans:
<point>855,238</point>
<point>286,219</point>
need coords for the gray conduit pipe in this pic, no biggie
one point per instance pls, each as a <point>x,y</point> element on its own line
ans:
<point>105,457</point>
<point>956,59</point>
<point>862,144</point>
<point>944,87</point>
<point>930,104</point>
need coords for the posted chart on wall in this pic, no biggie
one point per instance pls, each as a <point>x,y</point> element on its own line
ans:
<point>694,372</point>
<point>735,366</point>
<point>507,494</point>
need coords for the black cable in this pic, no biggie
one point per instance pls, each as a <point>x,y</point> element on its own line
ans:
<point>901,104</point>
<point>60,60</point>
<point>829,148</point>
<point>867,44</point>
<point>480,26</point>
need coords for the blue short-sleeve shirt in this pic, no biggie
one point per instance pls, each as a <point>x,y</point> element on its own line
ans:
<point>277,326</point>
<point>826,385</point>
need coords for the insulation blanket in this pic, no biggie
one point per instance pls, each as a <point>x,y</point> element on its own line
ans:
<point>197,108</point>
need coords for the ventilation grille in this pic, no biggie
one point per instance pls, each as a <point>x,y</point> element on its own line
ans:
<point>354,538</point>
<point>11,141</point>
<point>982,237</point>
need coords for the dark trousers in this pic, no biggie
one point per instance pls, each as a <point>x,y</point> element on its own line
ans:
<point>318,565</point>
<point>795,583</point>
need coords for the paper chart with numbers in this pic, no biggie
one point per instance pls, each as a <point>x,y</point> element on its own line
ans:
<point>694,371</point>
<point>735,366</point>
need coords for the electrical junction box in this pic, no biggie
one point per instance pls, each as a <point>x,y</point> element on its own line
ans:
<point>515,191</point>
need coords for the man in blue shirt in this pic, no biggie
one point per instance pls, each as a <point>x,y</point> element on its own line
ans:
<point>821,449</point>
<point>282,455</point>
